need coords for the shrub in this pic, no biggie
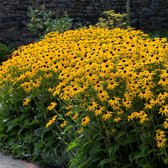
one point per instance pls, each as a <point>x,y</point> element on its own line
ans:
<point>103,92</point>
<point>4,52</point>
<point>111,19</point>
<point>43,21</point>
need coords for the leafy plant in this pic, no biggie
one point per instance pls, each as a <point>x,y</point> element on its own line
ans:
<point>22,130</point>
<point>100,93</point>
<point>5,51</point>
<point>43,21</point>
<point>110,20</point>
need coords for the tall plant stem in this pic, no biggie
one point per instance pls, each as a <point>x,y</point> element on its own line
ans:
<point>128,11</point>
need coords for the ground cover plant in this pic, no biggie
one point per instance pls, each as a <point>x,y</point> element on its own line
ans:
<point>102,94</point>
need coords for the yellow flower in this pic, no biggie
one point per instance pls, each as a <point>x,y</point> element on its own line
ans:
<point>85,121</point>
<point>161,143</point>
<point>63,124</point>
<point>164,110</point>
<point>117,119</point>
<point>92,105</point>
<point>165,124</point>
<point>50,122</point>
<point>111,84</point>
<point>68,113</point>
<point>103,95</point>
<point>52,106</point>
<point>143,119</point>
<point>150,104</point>
<point>160,134</point>
<point>142,116</point>
<point>107,115</point>
<point>114,101</point>
<point>163,81</point>
<point>127,103</point>
<point>80,131</point>
<point>26,101</point>
<point>147,94</point>
<point>75,116</point>
<point>99,110</point>
<point>160,138</point>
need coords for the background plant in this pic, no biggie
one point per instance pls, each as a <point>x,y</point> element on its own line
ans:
<point>43,21</point>
<point>110,19</point>
<point>102,92</point>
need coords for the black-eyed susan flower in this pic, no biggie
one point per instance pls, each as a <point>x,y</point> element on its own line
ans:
<point>146,94</point>
<point>85,121</point>
<point>114,101</point>
<point>75,116</point>
<point>103,95</point>
<point>26,101</point>
<point>52,106</point>
<point>62,125</point>
<point>165,124</point>
<point>50,122</point>
<point>160,138</point>
<point>142,116</point>
<point>164,110</point>
<point>92,105</point>
<point>117,119</point>
<point>107,115</point>
<point>99,110</point>
<point>80,130</point>
<point>127,103</point>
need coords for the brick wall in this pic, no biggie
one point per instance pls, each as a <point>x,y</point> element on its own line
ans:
<point>146,14</point>
<point>150,14</point>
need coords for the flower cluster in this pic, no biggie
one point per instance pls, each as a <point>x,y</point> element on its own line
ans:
<point>97,75</point>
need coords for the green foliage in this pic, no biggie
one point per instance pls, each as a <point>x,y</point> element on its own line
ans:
<point>43,21</point>
<point>5,51</point>
<point>119,148</point>
<point>22,130</point>
<point>110,20</point>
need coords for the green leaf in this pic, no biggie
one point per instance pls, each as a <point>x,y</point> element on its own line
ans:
<point>67,128</point>
<point>165,160</point>
<point>145,164</point>
<point>13,123</point>
<point>72,145</point>
<point>95,150</point>
<point>103,162</point>
<point>131,156</point>
<point>113,149</point>
<point>120,134</point>
<point>138,156</point>
<point>33,123</point>
<point>129,139</point>
<point>86,145</point>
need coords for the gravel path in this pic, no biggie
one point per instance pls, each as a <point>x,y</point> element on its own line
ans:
<point>8,162</point>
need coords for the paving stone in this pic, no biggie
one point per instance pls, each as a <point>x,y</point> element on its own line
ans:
<point>8,162</point>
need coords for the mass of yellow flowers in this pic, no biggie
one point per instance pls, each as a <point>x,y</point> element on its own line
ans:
<point>101,75</point>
